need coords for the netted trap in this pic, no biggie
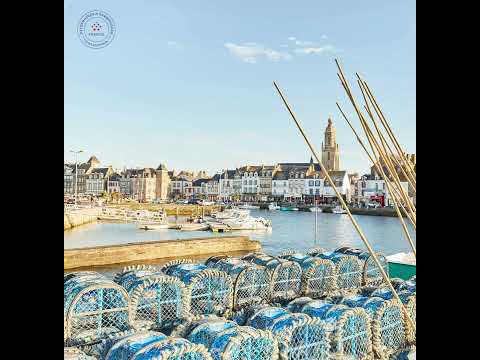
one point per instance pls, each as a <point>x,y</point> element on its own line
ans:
<point>319,276</point>
<point>157,301</point>
<point>286,275</point>
<point>72,353</point>
<point>387,323</point>
<point>226,340</point>
<point>350,328</point>
<point>299,336</point>
<point>251,283</point>
<point>211,290</point>
<point>155,345</point>
<point>370,273</point>
<point>349,269</point>
<point>94,307</point>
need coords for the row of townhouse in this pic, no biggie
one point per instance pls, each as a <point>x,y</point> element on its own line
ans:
<point>280,182</point>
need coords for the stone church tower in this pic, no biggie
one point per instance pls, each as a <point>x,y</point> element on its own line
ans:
<point>330,151</point>
<point>162,182</point>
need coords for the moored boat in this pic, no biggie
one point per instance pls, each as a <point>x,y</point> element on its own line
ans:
<point>154,226</point>
<point>273,206</point>
<point>339,210</point>
<point>402,265</point>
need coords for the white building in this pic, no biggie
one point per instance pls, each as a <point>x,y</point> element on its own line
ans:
<point>280,185</point>
<point>226,188</point>
<point>249,182</point>
<point>342,183</point>
<point>96,181</point>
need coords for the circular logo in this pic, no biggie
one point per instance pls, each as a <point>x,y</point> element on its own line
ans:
<point>96,29</point>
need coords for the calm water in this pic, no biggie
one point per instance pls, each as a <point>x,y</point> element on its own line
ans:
<point>291,229</point>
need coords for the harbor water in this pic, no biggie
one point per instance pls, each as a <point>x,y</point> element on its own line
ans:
<point>290,229</point>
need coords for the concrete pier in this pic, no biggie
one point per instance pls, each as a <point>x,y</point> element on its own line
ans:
<point>156,250</point>
<point>79,217</point>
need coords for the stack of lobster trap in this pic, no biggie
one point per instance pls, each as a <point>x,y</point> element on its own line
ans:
<point>295,306</point>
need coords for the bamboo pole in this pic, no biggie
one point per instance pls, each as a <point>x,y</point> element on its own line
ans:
<point>408,175</point>
<point>344,83</point>
<point>352,219</point>
<point>374,164</point>
<point>389,131</point>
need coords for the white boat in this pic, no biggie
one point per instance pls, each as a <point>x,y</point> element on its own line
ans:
<point>194,227</point>
<point>154,226</point>
<point>273,206</point>
<point>316,209</point>
<point>248,223</point>
<point>248,207</point>
<point>339,210</point>
<point>230,214</point>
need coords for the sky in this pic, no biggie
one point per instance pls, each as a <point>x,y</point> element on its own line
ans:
<point>189,83</point>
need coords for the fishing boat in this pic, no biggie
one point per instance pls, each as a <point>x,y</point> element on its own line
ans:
<point>273,206</point>
<point>249,207</point>
<point>316,209</point>
<point>248,223</point>
<point>154,226</point>
<point>230,213</point>
<point>194,227</point>
<point>402,265</point>
<point>339,210</point>
<point>289,208</point>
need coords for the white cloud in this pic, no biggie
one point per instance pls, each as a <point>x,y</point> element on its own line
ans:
<point>315,50</point>
<point>250,52</point>
<point>292,38</point>
<point>304,43</point>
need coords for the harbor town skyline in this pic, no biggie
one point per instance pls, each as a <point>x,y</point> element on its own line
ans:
<point>198,92</point>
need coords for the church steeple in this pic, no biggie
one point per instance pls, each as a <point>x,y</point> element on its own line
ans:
<point>330,151</point>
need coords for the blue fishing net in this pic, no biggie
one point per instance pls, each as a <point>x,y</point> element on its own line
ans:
<point>286,275</point>
<point>251,283</point>
<point>93,307</point>
<point>211,290</point>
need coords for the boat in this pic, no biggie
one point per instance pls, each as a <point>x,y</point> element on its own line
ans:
<point>273,206</point>
<point>230,213</point>
<point>194,227</point>
<point>248,207</point>
<point>288,208</point>
<point>316,209</point>
<point>339,210</point>
<point>248,223</point>
<point>154,226</point>
<point>402,265</point>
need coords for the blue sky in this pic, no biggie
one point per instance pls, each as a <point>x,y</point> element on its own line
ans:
<point>189,83</point>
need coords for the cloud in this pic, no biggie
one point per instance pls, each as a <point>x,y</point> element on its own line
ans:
<point>292,38</point>
<point>250,52</point>
<point>315,50</point>
<point>304,43</point>
<point>324,37</point>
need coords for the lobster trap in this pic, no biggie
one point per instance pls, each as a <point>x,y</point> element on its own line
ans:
<point>251,283</point>
<point>299,336</point>
<point>350,328</point>
<point>387,323</point>
<point>226,340</point>
<point>349,269</point>
<point>319,276</point>
<point>155,345</point>
<point>371,275</point>
<point>157,301</point>
<point>94,307</point>
<point>286,275</point>
<point>211,290</point>
<point>72,353</point>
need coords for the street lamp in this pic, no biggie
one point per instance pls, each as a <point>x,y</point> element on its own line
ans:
<point>76,173</point>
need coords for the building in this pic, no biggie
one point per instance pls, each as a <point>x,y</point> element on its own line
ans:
<point>96,180</point>
<point>213,187</point>
<point>181,186</point>
<point>113,183</point>
<point>279,185</point>
<point>68,173</point>
<point>298,175</point>
<point>330,150</point>
<point>226,186</point>
<point>342,184</point>
<point>162,185</point>
<point>265,182</point>
<point>71,177</point>
<point>250,182</point>
<point>200,188</point>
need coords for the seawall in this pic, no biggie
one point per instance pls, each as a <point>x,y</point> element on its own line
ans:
<point>157,250</point>
<point>79,217</point>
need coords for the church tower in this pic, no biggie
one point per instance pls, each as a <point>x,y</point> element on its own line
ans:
<point>330,151</point>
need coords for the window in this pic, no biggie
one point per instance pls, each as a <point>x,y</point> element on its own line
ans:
<point>284,183</point>
<point>249,182</point>
<point>310,182</point>
<point>255,182</point>
<point>311,191</point>
<point>317,183</point>
<point>245,182</point>
<point>328,155</point>
<point>317,191</point>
